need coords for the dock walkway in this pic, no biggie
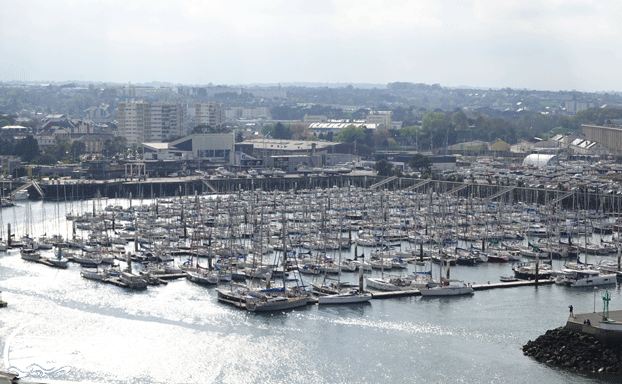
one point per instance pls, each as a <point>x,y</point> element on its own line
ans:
<point>476,287</point>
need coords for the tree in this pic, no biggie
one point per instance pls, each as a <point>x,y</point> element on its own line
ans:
<point>207,129</point>
<point>115,145</point>
<point>383,167</point>
<point>420,163</point>
<point>435,121</point>
<point>27,148</point>
<point>45,159</point>
<point>299,131</point>
<point>459,120</point>
<point>411,131</point>
<point>239,137</point>
<point>350,134</point>
<point>78,148</point>
<point>60,151</point>
<point>267,130</point>
<point>281,132</point>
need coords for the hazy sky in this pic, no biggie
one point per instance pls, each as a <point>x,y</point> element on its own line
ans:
<point>544,44</point>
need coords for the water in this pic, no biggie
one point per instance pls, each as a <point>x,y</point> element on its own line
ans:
<point>179,333</point>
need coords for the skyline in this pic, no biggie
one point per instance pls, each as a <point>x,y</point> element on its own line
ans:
<point>552,45</point>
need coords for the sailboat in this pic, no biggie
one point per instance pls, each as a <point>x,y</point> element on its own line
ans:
<point>279,299</point>
<point>346,295</point>
<point>445,288</point>
<point>58,260</point>
<point>198,274</point>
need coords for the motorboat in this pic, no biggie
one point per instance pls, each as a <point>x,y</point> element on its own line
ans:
<point>527,271</point>
<point>585,278</point>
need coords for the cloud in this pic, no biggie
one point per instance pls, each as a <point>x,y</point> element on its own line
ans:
<point>549,44</point>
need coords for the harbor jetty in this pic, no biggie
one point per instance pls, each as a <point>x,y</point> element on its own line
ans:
<point>589,342</point>
<point>565,348</point>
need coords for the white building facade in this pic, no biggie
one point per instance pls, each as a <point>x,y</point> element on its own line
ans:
<point>141,121</point>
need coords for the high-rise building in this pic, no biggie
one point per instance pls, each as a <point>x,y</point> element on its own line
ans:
<point>167,120</point>
<point>143,122</point>
<point>210,113</point>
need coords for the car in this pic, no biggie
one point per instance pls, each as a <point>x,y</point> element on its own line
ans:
<point>174,174</point>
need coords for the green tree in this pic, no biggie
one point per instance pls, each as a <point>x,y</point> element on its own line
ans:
<point>115,146</point>
<point>435,121</point>
<point>267,130</point>
<point>45,159</point>
<point>27,148</point>
<point>350,134</point>
<point>383,167</point>
<point>282,132</point>
<point>207,129</point>
<point>239,137</point>
<point>60,151</point>
<point>411,131</point>
<point>460,121</point>
<point>420,163</point>
<point>78,148</point>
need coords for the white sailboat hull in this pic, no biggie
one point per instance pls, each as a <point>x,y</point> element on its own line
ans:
<point>446,290</point>
<point>384,285</point>
<point>345,298</point>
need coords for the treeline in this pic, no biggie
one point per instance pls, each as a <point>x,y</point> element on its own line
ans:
<point>436,129</point>
<point>28,150</point>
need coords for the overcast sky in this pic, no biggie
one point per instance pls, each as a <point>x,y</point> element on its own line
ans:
<point>544,44</point>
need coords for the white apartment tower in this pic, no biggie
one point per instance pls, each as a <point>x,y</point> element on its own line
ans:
<point>208,113</point>
<point>144,122</point>
<point>167,120</point>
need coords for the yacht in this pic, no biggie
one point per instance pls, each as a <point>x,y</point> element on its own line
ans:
<point>585,278</point>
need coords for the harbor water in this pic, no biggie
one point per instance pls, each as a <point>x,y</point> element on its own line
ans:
<point>65,328</point>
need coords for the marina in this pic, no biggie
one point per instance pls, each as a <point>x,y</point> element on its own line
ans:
<point>239,239</point>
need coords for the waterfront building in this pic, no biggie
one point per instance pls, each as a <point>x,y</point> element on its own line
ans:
<point>215,148</point>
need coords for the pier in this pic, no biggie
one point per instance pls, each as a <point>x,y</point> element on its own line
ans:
<point>476,287</point>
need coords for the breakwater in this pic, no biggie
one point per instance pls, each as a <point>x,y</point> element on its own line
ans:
<point>563,348</point>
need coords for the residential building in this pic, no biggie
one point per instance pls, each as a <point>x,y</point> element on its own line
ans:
<point>141,121</point>
<point>573,107</point>
<point>210,113</point>
<point>98,114</point>
<point>167,120</point>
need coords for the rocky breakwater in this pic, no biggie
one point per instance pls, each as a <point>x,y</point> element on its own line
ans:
<point>576,351</point>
